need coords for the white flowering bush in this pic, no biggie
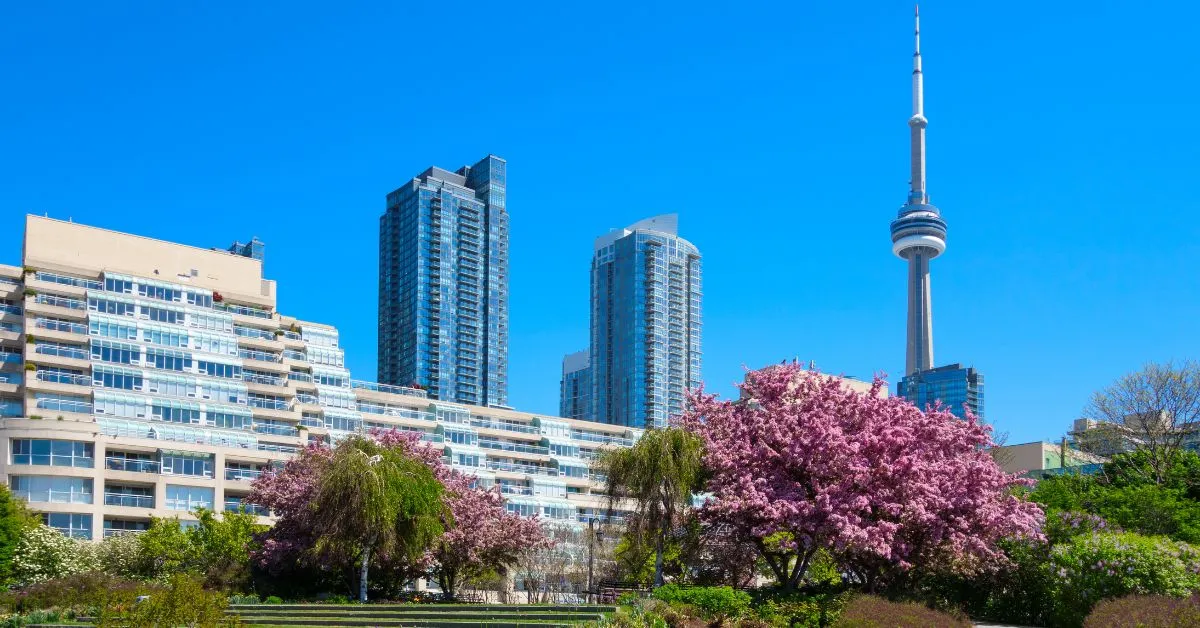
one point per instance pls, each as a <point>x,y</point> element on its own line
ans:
<point>1092,567</point>
<point>44,553</point>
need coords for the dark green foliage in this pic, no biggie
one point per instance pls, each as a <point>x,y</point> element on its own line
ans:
<point>1146,611</point>
<point>866,611</point>
<point>83,592</point>
<point>273,599</point>
<point>715,603</point>
<point>184,602</point>
<point>815,608</point>
<point>14,519</point>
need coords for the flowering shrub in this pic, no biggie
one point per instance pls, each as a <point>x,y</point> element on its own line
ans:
<point>44,553</point>
<point>1146,611</point>
<point>1065,525</point>
<point>1104,565</point>
<point>866,611</point>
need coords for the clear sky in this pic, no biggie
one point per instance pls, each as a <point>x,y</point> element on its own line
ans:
<point>1063,152</point>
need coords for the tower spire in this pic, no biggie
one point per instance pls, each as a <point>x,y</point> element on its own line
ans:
<point>917,194</point>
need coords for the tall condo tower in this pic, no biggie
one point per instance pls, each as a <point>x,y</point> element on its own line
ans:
<point>645,345</point>
<point>918,233</point>
<point>443,285</point>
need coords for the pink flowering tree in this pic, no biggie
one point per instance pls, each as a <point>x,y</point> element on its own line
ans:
<point>801,463</point>
<point>479,533</point>
<point>482,535</point>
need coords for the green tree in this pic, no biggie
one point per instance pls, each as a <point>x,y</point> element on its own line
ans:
<point>222,547</point>
<point>657,476</point>
<point>14,520</point>
<point>166,550</point>
<point>375,499</point>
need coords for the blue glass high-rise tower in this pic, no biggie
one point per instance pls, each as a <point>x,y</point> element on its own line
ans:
<point>645,344</point>
<point>443,284</point>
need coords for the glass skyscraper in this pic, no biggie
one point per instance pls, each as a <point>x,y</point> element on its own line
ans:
<point>645,344</point>
<point>443,285</point>
<point>575,389</point>
<point>954,385</point>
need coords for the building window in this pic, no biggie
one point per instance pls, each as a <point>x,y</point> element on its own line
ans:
<point>54,490</point>
<point>55,453</point>
<point>189,498</point>
<point>199,466</point>
<point>74,525</point>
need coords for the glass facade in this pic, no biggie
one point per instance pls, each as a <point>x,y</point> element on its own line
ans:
<point>645,323</point>
<point>575,389</point>
<point>443,285</point>
<point>955,386</point>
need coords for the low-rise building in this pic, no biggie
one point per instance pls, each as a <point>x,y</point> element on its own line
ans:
<point>1041,458</point>
<point>141,378</point>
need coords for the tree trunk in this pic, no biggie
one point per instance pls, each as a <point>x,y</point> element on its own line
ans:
<point>659,544</point>
<point>447,580</point>
<point>362,575</point>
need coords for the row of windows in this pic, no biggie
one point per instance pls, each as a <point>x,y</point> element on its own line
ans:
<point>54,453</point>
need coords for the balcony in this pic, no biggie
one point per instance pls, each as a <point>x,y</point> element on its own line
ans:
<point>132,464</point>
<point>260,356</point>
<point>243,475</point>
<point>54,377</point>
<point>118,532</point>
<point>242,310</point>
<point>55,497</point>
<point>61,351</point>
<point>517,447</point>
<point>235,505</point>
<point>129,500</point>
<point>264,379</point>
<point>67,327</point>
<point>511,489</point>
<point>64,405</point>
<point>514,467</point>
<point>277,430</point>
<point>388,388</point>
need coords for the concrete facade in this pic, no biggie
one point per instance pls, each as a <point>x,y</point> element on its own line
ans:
<point>141,378</point>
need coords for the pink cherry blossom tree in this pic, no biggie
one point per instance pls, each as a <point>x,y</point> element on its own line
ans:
<point>801,462</point>
<point>482,535</point>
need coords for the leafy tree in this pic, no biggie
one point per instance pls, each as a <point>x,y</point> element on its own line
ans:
<point>801,462</point>
<point>373,498</point>
<point>222,547</point>
<point>480,534</point>
<point>14,520</point>
<point>657,476</point>
<point>166,550</point>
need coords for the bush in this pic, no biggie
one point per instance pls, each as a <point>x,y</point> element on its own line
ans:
<point>1098,566</point>
<point>274,599</point>
<point>183,603</point>
<point>83,593</point>
<point>866,611</point>
<point>799,609</point>
<point>244,599</point>
<point>712,602</point>
<point>1145,611</point>
<point>43,553</point>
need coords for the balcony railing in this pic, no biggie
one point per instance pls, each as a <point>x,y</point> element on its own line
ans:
<point>118,532</point>
<point>61,351</point>
<point>598,438</point>
<point>306,398</point>
<point>242,309</point>
<point>251,332</point>
<point>9,308</point>
<point>55,497</point>
<point>283,449</point>
<point>508,427</point>
<point>64,405</point>
<point>268,404</point>
<point>248,475</point>
<point>261,356</point>
<point>132,464</point>
<point>269,380</point>
<point>291,335</point>
<point>187,504</point>
<point>503,446</point>
<point>57,301</point>
<point>55,377</point>
<point>234,505</point>
<point>510,489</point>
<point>64,326</point>
<point>388,388</point>
<point>277,430</point>
<point>294,355</point>
<point>300,377</point>
<point>128,500</point>
<point>496,465</point>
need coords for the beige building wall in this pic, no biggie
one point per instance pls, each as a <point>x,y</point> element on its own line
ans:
<point>68,247</point>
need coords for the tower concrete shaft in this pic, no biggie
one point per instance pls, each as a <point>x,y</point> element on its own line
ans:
<point>918,233</point>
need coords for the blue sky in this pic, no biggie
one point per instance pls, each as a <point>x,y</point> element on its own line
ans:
<point>1062,151</point>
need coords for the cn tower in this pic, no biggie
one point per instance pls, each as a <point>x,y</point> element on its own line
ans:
<point>918,233</point>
